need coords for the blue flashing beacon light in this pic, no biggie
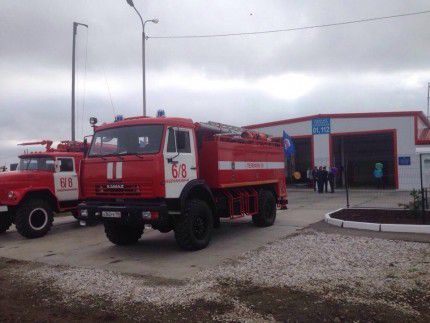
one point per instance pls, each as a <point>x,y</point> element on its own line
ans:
<point>161,113</point>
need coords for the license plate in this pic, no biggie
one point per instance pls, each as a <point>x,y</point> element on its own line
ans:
<point>111,214</point>
<point>3,208</point>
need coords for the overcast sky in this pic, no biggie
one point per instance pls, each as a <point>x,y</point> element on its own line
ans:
<point>375,66</point>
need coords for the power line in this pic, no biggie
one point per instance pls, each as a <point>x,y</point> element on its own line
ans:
<point>110,94</point>
<point>350,22</point>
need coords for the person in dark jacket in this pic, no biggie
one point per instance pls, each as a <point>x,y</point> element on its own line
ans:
<point>320,180</point>
<point>331,178</point>
<point>325,178</point>
<point>315,178</point>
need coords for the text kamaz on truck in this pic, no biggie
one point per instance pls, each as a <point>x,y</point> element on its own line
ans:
<point>45,182</point>
<point>178,175</point>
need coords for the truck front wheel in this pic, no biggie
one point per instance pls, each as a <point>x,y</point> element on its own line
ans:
<point>5,222</point>
<point>122,235</point>
<point>34,218</point>
<point>267,210</point>
<point>193,229</point>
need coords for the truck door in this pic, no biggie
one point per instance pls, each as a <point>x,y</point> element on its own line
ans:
<point>66,179</point>
<point>180,164</point>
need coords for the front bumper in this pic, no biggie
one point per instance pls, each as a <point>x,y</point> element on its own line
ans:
<point>129,213</point>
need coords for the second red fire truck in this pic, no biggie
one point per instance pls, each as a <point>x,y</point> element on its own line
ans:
<point>46,182</point>
<point>178,175</point>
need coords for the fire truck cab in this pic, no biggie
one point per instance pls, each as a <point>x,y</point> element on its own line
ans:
<point>44,183</point>
<point>178,175</point>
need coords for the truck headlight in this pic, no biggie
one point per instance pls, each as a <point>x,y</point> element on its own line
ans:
<point>149,215</point>
<point>146,215</point>
<point>84,213</point>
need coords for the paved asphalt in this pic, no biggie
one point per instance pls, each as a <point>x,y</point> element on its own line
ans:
<point>157,254</point>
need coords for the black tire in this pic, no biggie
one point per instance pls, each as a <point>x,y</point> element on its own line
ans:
<point>91,222</point>
<point>75,214</point>
<point>166,229</point>
<point>34,218</point>
<point>5,222</point>
<point>193,229</point>
<point>164,224</point>
<point>122,235</point>
<point>267,210</point>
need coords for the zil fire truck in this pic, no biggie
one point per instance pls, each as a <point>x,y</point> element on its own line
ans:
<point>178,175</point>
<point>44,182</point>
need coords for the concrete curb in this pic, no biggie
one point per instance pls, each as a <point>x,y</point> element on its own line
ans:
<point>409,228</point>
<point>362,225</point>
<point>406,228</point>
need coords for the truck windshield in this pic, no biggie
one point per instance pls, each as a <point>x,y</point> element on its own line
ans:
<point>141,139</point>
<point>36,163</point>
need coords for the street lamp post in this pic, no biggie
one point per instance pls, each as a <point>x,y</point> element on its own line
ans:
<point>155,21</point>
<point>75,31</point>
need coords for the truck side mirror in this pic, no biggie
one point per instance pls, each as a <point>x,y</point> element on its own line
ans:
<point>57,166</point>
<point>85,147</point>
<point>173,131</point>
<point>171,161</point>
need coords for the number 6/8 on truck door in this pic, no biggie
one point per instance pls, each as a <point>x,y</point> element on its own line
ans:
<point>66,179</point>
<point>179,160</point>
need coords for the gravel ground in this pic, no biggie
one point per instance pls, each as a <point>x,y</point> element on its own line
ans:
<point>358,269</point>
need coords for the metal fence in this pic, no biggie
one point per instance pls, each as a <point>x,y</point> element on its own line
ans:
<point>379,180</point>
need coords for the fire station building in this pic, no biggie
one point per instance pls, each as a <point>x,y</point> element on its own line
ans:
<point>356,142</point>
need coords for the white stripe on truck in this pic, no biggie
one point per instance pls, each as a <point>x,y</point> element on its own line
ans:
<point>119,170</point>
<point>248,165</point>
<point>109,170</point>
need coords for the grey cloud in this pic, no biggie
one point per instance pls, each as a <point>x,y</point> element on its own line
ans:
<point>35,60</point>
<point>38,32</point>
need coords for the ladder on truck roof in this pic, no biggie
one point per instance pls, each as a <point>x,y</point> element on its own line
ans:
<point>222,128</point>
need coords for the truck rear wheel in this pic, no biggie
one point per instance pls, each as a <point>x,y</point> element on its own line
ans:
<point>193,230</point>
<point>267,210</point>
<point>5,222</point>
<point>122,235</point>
<point>34,218</point>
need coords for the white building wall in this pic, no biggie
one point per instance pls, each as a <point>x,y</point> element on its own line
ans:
<point>408,176</point>
<point>321,150</point>
<point>293,129</point>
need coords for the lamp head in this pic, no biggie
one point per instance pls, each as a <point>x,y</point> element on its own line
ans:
<point>130,3</point>
<point>93,121</point>
<point>155,21</point>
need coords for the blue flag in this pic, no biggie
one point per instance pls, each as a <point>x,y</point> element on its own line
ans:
<point>288,144</point>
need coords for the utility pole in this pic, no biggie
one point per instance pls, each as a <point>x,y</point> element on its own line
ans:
<point>75,30</point>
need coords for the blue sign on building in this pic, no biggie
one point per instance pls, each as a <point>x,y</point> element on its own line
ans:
<point>405,161</point>
<point>321,126</point>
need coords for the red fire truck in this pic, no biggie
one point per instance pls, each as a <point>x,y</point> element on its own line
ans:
<point>178,175</point>
<point>44,182</point>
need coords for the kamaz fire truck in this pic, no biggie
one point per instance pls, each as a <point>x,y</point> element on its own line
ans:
<point>178,175</point>
<point>44,183</point>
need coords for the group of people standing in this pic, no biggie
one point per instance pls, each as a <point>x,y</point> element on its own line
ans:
<point>320,177</point>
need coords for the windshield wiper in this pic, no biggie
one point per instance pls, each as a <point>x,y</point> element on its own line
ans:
<point>137,155</point>
<point>117,156</point>
<point>133,154</point>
